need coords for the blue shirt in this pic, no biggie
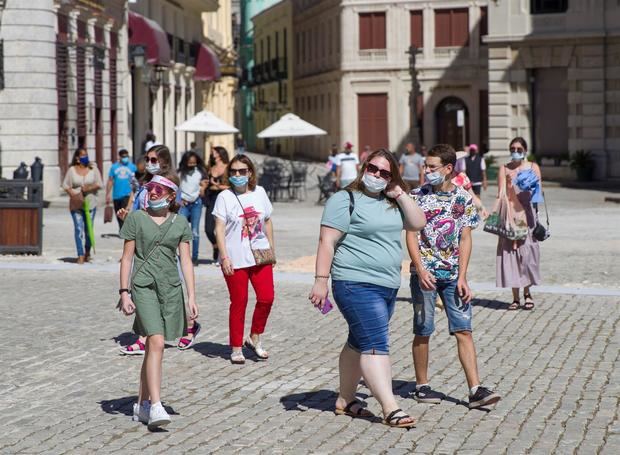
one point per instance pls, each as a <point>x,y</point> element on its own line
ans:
<point>121,175</point>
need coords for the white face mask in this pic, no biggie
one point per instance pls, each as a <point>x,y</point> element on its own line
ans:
<point>373,184</point>
<point>152,168</point>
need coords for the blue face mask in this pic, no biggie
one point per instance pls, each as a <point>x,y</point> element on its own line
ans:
<point>125,160</point>
<point>84,160</point>
<point>516,156</point>
<point>158,204</point>
<point>434,178</point>
<point>239,180</point>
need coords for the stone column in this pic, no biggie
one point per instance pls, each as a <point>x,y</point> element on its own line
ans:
<point>500,62</point>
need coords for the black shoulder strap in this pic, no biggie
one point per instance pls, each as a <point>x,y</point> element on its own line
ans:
<point>351,202</point>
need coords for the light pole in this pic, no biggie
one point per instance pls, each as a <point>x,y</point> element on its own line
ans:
<point>414,131</point>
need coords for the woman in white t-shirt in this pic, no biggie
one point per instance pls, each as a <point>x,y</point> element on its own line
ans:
<point>193,174</point>
<point>243,224</point>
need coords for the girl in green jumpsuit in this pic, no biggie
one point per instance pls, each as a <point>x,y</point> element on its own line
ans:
<point>152,238</point>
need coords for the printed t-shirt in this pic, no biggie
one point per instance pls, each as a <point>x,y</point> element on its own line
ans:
<point>348,165</point>
<point>371,250</point>
<point>447,213</point>
<point>244,225</point>
<point>121,179</point>
<point>411,166</point>
<point>190,186</point>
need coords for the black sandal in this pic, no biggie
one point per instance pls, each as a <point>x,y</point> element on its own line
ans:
<point>515,305</point>
<point>528,305</point>
<point>392,420</point>
<point>348,410</point>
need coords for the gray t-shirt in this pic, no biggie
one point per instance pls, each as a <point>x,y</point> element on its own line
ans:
<point>411,165</point>
<point>371,249</point>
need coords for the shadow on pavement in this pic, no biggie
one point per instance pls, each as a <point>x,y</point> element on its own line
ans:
<point>69,260</point>
<point>209,349</point>
<point>125,406</point>
<point>491,304</point>
<point>125,338</point>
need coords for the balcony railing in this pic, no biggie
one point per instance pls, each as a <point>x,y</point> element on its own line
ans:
<point>373,55</point>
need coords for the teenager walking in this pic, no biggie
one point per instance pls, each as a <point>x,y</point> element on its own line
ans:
<point>193,175</point>
<point>154,292</point>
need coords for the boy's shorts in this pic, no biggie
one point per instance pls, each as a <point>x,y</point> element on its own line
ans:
<point>459,313</point>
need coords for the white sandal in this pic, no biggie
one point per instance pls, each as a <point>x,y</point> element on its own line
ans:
<point>237,357</point>
<point>257,349</point>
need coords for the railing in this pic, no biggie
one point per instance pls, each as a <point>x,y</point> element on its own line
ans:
<point>373,55</point>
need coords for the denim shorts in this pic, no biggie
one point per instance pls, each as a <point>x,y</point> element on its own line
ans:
<point>367,308</point>
<point>458,312</point>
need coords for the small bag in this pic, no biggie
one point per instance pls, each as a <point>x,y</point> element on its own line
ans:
<point>108,214</point>
<point>119,304</point>
<point>76,201</point>
<point>263,256</point>
<point>540,232</point>
<point>502,222</point>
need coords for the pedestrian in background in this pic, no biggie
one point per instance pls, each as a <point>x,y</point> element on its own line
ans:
<point>82,182</point>
<point>476,169</point>
<point>217,182</point>
<point>360,245</point>
<point>193,175</point>
<point>347,166</point>
<point>365,154</point>
<point>411,163</point>
<point>332,165</point>
<point>154,292</point>
<point>440,258</point>
<point>118,188</point>
<point>518,261</point>
<point>243,226</point>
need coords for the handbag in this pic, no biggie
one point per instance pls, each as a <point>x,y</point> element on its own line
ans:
<point>108,214</point>
<point>76,201</point>
<point>540,232</point>
<point>502,222</point>
<point>262,256</point>
<point>119,304</point>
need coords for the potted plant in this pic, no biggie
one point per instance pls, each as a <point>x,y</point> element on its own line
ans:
<point>583,164</point>
<point>490,161</point>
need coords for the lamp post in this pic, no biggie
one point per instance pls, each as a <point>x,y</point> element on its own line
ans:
<point>414,131</point>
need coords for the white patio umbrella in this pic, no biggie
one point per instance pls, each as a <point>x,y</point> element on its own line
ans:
<point>290,125</point>
<point>206,122</point>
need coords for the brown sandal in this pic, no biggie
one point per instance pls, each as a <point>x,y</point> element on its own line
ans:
<point>515,305</point>
<point>348,410</point>
<point>392,420</point>
<point>528,305</point>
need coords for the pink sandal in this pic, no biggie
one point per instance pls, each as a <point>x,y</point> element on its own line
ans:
<point>186,343</point>
<point>129,350</point>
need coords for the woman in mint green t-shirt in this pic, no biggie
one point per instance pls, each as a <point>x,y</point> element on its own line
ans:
<point>360,245</point>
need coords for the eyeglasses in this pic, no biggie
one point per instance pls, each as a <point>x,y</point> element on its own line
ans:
<point>156,188</point>
<point>516,150</point>
<point>243,171</point>
<point>152,160</point>
<point>433,168</point>
<point>372,169</point>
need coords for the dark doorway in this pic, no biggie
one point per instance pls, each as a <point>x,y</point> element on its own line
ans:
<point>99,139</point>
<point>550,91</point>
<point>372,118</point>
<point>447,129</point>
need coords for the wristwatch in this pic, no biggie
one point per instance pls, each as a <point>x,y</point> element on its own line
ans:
<point>120,291</point>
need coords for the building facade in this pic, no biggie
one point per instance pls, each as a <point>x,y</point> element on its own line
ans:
<point>219,96</point>
<point>272,73</point>
<point>62,64</point>
<point>170,68</point>
<point>353,75</point>
<point>554,72</point>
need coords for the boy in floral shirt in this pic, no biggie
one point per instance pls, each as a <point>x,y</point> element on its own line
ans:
<point>440,256</point>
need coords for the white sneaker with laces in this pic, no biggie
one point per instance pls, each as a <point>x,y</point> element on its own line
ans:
<point>141,412</point>
<point>158,417</point>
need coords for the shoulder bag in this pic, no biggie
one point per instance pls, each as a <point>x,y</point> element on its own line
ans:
<point>119,305</point>
<point>262,256</point>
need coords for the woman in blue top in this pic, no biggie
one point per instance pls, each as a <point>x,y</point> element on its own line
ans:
<point>360,245</point>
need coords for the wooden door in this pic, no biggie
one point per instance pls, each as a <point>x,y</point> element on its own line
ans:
<point>372,114</point>
<point>446,127</point>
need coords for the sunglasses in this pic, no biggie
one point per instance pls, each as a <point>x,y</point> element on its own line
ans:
<point>242,171</point>
<point>372,169</point>
<point>156,188</point>
<point>516,150</point>
<point>152,160</point>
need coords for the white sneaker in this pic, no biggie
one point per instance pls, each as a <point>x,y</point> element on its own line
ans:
<point>158,417</point>
<point>141,413</point>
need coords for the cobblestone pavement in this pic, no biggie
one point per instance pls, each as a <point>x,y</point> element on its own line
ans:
<point>65,389</point>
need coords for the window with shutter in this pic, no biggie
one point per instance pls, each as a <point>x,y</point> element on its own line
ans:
<point>81,84</point>
<point>417,29</point>
<point>452,27</point>
<point>372,120</point>
<point>460,27</point>
<point>372,31</point>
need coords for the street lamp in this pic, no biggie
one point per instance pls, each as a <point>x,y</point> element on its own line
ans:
<point>138,54</point>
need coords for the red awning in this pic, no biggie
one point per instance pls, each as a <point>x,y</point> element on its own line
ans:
<point>207,65</point>
<point>148,33</point>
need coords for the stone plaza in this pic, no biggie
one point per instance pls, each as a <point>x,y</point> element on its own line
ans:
<point>65,388</point>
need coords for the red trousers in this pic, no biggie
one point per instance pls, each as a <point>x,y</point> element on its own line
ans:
<point>261,277</point>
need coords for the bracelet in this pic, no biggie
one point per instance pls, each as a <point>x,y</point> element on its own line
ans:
<point>326,277</point>
<point>120,291</point>
<point>399,195</point>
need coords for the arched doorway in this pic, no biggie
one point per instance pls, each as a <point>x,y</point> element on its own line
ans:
<point>446,127</point>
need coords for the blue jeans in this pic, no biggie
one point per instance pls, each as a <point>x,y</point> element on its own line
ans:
<point>458,312</point>
<point>79,230</point>
<point>367,308</point>
<point>193,211</point>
